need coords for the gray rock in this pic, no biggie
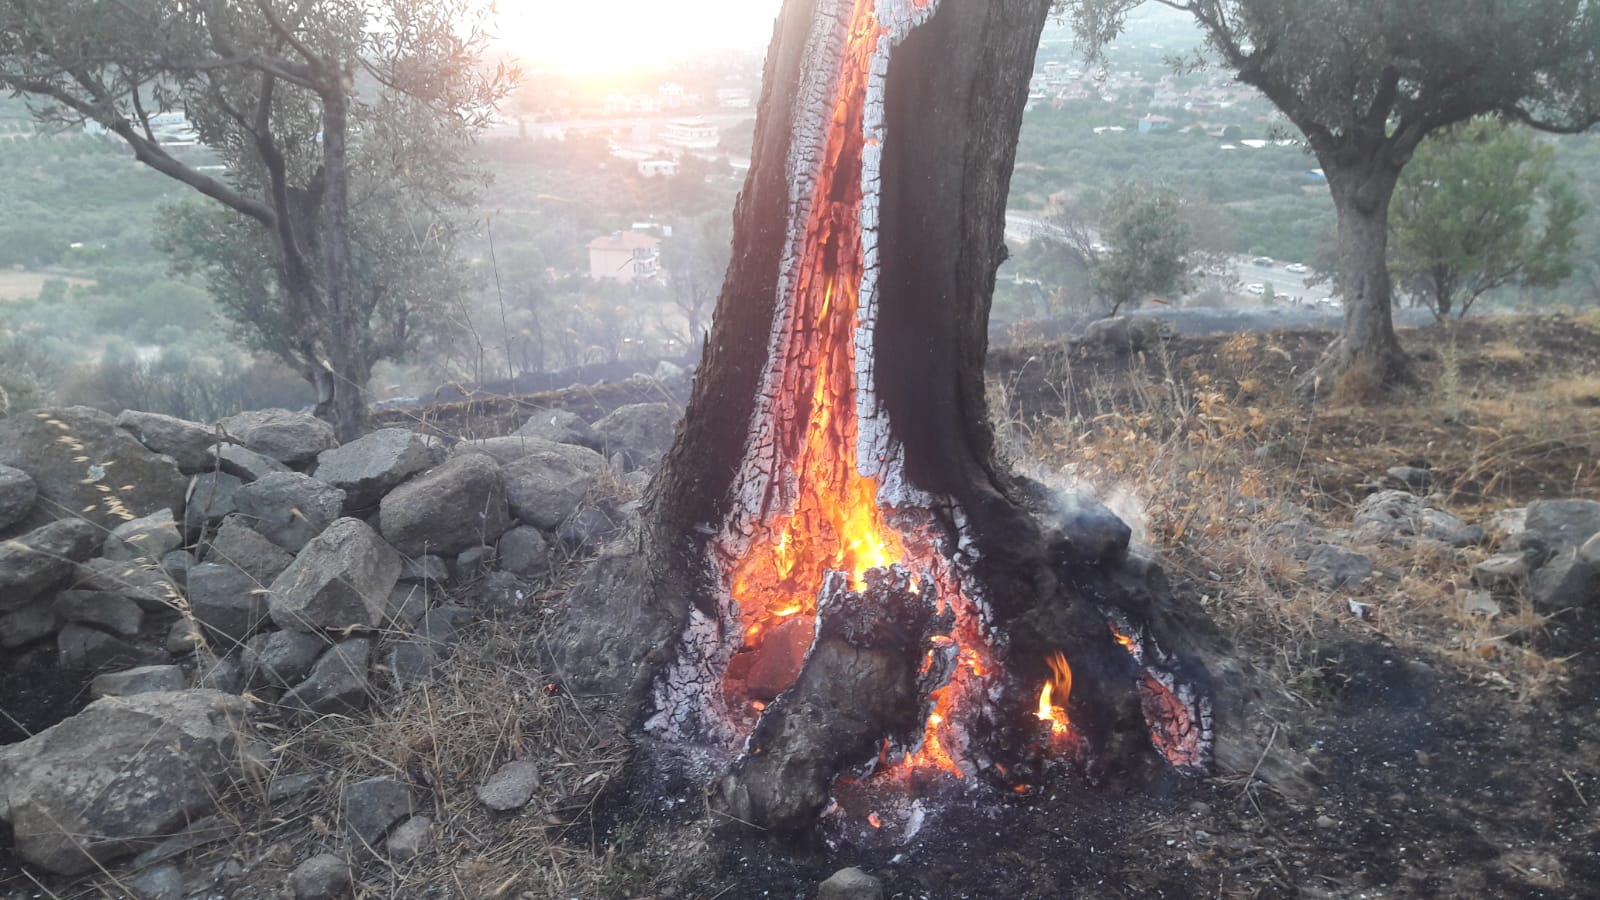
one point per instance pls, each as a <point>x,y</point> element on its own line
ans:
<point>36,621</point>
<point>188,443</point>
<point>510,787</point>
<point>591,528</point>
<point>219,673</point>
<point>1442,526</point>
<point>177,565</point>
<point>17,496</point>
<point>669,373</point>
<point>426,569</point>
<point>1390,514</point>
<point>1480,603</point>
<point>1334,567</point>
<point>1412,477</point>
<point>82,647</point>
<point>368,467</point>
<point>441,627</point>
<point>184,637</point>
<point>500,595</point>
<point>280,659</point>
<point>411,662</point>
<point>545,488</point>
<point>247,465</point>
<point>238,545</point>
<point>560,426</point>
<point>850,884</point>
<point>460,504</point>
<point>289,437</point>
<point>410,839</point>
<point>325,876</point>
<point>119,775</point>
<point>641,432</point>
<point>341,579</point>
<point>374,806</point>
<point>289,508</point>
<point>475,562</point>
<point>509,449</point>
<point>144,583</point>
<point>1571,578</point>
<point>43,558</point>
<point>211,498</point>
<point>1126,334</point>
<point>150,537</point>
<point>109,612</point>
<point>1094,535</point>
<point>1504,572</point>
<point>524,552</point>
<point>73,453</point>
<point>230,603</point>
<point>159,883</point>
<point>143,680</point>
<point>1564,523</point>
<point>406,606</point>
<point>338,682</point>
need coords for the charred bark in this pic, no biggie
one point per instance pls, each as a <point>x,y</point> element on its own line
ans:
<point>841,391</point>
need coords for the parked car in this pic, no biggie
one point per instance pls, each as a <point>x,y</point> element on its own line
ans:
<point>1297,268</point>
<point>1256,288</point>
<point>1262,261</point>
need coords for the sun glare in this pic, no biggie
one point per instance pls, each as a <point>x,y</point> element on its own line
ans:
<point>620,35</point>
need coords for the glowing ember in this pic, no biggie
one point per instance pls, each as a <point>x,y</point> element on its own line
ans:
<point>1053,696</point>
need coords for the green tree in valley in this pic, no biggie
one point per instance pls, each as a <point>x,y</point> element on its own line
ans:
<point>1365,81</point>
<point>340,122</point>
<point>1142,246</point>
<point>1467,217</point>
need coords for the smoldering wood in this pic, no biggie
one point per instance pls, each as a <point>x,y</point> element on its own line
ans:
<point>860,685</point>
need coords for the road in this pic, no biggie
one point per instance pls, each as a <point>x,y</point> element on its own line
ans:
<point>1023,228</point>
<point>508,127</point>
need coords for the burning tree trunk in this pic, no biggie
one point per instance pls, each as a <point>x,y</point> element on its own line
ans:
<point>834,582</point>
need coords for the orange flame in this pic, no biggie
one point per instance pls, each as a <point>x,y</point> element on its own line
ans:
<point>1053,696</point>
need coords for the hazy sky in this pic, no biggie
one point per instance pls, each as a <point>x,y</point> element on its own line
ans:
<point>602,35</point>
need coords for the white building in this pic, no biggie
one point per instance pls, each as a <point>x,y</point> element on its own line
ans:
<point>692,134</point>
<point>651,168</point>
<point>733,98</point>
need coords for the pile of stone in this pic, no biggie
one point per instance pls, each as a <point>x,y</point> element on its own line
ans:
<point>178,566</point>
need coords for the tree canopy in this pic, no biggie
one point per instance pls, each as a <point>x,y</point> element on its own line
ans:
<point>1479,208</point>
<point>337,121</point>
<point>1365,81</point>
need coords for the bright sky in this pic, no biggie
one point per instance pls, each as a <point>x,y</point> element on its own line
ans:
<point>611,35</point>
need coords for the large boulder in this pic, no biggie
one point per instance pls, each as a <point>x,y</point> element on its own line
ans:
<point>289,437</point>
<point>144,583</point>
<point>509,449</point>
<point>1563,524</point>
<point>119,776</point>
<point>561,426</point>
<point>229,602</point>
<point>238,545</point>
<point>42,558</point>
<point>150,537</point>
<point>280,658</point>
<point>641,432</point>
<point>188,443</point>
<point>212,497</point>
<point>341,579</point>
<point>17,495</point>
<point>84,465</point>
<point>368,467</point>
<point>244,463</point>
<point>547,486</point>
<point>288,508</point>
<point>338,683</point>
<point>460,504</point>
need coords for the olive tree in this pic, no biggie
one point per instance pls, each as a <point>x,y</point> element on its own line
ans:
<point>1365,81</point>
<point>315,107</point>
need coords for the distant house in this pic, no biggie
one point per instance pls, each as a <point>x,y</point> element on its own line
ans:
<point>691,134</point>
<point>625,256</point>
<point>733,98</point>
<point>651,168</point>
<point>1150,124</point>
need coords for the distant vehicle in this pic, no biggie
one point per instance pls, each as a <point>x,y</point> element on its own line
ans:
<point>1256,288</point>
<point>1297,268</point>
<point>1330,302</point>
<point>1262,261</point>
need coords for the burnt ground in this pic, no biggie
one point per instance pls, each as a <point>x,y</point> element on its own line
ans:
<point>1445,755</point>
